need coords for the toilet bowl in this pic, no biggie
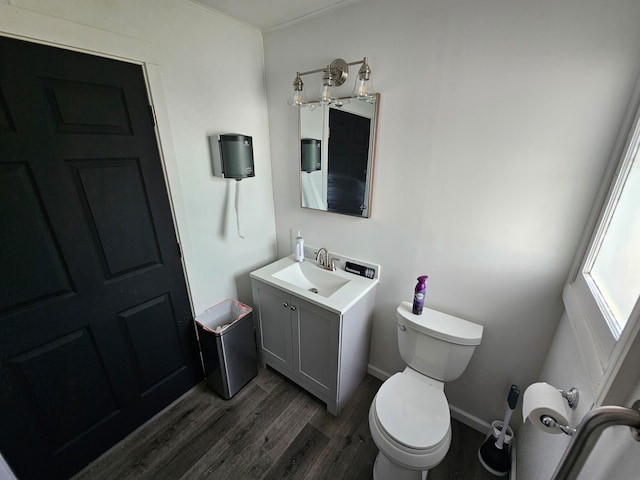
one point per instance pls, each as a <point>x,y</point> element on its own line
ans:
<point>409,417</point>
<point>409,423</point>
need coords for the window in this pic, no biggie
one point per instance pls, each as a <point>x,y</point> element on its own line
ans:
<point>612,270</point>
<point>602,300</point>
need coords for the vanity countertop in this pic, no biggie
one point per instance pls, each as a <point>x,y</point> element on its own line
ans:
<point>339,302</point>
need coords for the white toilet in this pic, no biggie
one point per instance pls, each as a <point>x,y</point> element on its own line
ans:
<point>409,416</point>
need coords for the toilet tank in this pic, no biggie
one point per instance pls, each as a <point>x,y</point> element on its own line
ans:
<point>436,344</point>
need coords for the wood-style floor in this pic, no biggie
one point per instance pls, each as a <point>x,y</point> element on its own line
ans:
<point>271,429</point>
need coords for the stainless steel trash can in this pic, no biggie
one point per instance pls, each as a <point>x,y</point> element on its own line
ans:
<point>228,346</point>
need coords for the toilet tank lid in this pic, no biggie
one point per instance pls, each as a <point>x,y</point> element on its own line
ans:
<point>442,325</point>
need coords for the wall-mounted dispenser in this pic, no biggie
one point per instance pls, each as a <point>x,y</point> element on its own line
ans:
<point>544,405</point>
<point>232,155</point>
<point>310,154</point>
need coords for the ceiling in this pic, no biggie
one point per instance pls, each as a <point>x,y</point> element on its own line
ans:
<point>266,14</point>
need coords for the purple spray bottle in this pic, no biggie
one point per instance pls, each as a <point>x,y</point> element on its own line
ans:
<point>418,297</point>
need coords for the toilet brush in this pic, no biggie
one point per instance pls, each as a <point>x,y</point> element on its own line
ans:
<point>493,453</point>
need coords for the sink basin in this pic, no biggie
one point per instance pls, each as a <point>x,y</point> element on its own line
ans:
<point>335,291</point>
<point>309,276</point>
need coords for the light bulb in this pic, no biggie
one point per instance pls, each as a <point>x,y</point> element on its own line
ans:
<point>297,98</point>
<point>326,95</point>
<point>363,87</point>
<point>326,92</point>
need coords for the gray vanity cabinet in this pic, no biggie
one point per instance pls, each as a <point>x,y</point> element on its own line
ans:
<point>324,352</point>
<point>316,335</point>
<point>272,315</point>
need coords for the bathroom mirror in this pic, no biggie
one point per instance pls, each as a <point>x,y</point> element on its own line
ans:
<point>336,155</point>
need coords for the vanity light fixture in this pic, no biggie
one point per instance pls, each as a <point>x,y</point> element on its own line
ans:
<point>326,92</point>
<point>298,98</point>
<point>334,75</point>
<point>364,87</point>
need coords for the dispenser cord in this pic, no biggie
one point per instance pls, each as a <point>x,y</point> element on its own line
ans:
<point>237,209</point>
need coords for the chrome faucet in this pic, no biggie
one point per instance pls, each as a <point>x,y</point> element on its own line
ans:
<point>322,257</point>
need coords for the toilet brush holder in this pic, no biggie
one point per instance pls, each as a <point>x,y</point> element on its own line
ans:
<point>494,453</point>
<point>496,428</point>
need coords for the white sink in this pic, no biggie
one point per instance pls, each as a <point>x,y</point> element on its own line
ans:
<point>308,276</point>
<point>335,291</point>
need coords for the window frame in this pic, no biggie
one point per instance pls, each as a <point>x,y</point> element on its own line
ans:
<point>602,355</point>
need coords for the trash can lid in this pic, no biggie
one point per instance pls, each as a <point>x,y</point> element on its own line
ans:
<point>222,315</point>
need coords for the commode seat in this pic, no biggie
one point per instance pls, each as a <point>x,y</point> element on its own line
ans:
<point>409,416</point>
<point>410,422</point>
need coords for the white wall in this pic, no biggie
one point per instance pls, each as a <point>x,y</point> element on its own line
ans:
<point>496,122</point>
<point>211,73</point>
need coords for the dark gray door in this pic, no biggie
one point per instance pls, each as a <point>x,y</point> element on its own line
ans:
<point>96,332</point>
<point>348,159</point>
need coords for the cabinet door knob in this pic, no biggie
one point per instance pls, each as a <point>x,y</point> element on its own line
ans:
<point>293,308</point>
<point>285,304</point>
<point>402,328</point>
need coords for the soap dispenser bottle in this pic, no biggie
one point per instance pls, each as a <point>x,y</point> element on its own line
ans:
<point>418,296</point>
<point>298,249</point>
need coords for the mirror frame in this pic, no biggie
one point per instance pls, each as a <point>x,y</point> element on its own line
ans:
<point>370,161</point>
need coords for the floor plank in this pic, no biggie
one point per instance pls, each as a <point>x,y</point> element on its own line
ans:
<point>272,429</point>
<point>461,462</point>
<point>305,450</point>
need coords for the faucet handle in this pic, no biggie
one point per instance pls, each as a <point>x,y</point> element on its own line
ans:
<point>322,257</point>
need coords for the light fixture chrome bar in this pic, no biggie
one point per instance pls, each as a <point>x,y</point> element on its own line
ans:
<point>318,70</point>
<point>334,75</point>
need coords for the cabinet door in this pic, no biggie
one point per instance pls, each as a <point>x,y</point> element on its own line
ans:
<point>274,326</point>
<point>316,340</point>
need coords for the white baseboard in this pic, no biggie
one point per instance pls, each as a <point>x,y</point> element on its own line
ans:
<point>469,420</point>
<point>376,372</point>
<point>483,427</point>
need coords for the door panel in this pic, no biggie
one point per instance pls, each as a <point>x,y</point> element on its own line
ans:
<point>160,358</point>
<point>62,405</point>
<point>116,209</point>
<point>79,107</point>
<point>6,123</point>
<point>348,160</point>
<point>96,331</point>
<point>274,322</point>
<point>27,237</point>
<point>316,333</point>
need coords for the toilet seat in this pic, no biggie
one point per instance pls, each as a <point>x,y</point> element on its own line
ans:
<point>409,417</point>
<point>412,414</point>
